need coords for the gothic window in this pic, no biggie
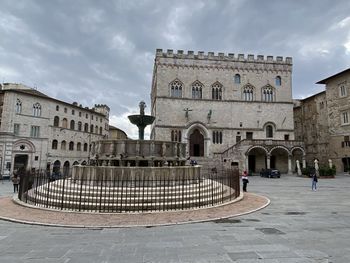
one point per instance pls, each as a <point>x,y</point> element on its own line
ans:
<point>64,123</point>
<point>37,110</point>
<point>217,137</point>
<point>71,146</point>
<point>176,89</point>
<point>197,90</point>
<point>216,90</point>
<point>96,129</point>
<point>269,131</point>
<point>54,144</point>
<point>267,94</point>
<point>278,81</point>
<point>237,79</point>
<point>101,130</point>
<point>56,121</point>
<point>176,136</point>
<point>72,125</point>
<point>79,125</point>
<point>92,128</point>
<point>86,127</point>
<point>63,145</point>
<point>248,93</point>
<point>78,146</point>
<point>85,147</point>
<point>18,106</point>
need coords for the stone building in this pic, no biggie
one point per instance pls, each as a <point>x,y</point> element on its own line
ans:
<point>40,132</point>
<point>311,127</point>
<point>322,121</point>
<point>116,133</point>
<point>235,109</point>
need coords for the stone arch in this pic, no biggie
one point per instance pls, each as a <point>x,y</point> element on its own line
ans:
<point>280,158</point>
<point>270,129</point>
<point>298,148</point>
<point>268,93</point>
<point>257,146</point>
<point>200,131</point>
<point>280,147</point>
<point>176,88</point>
<point>248,92</point>
<point>29,147</point>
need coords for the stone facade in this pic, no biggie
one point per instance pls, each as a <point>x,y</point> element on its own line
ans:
<point>219,100</point>
<point>41,132</point>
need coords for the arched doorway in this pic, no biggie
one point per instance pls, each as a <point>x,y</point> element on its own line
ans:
<point>256,159</point>
<point>196,143</point>
<point>280,159</point>
<point>56,167</point>
<point>66,168</point>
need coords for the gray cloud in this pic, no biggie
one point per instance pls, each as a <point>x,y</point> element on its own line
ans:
<point>103,51</point>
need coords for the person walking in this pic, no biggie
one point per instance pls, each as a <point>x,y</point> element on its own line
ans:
<point>314,182</point>
<point>15,181</point>
<point>245,180</point>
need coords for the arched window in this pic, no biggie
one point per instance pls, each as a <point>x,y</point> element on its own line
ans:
<point>248,93</point>
<point>71,146</point>
<point>65,110</point>
<point>56,121</point>
<point>269,131</point>
<point>267,94</point>
<point>64,123</point>
<point>176,89</point>
<point>57,108</point>
<point>96,129</point>
<point>79,125</point>
<point>86,127</point>
<point>72,125</point>
<point>278,81</point>
<point>18,106</point>
<point>237,79</point>
<point>54,144</point>
<point>101,130</point>
<point>85,147</point>
<point>78,146</point>
<point>216,90</point>
<point>91,128</point>
<point>37,110</point>
<point>63,145</point>
<point>197,90</point>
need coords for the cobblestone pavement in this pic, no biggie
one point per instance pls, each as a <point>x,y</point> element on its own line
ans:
<point>299,225</point>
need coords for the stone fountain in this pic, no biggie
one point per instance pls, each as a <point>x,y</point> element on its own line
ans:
<point>141,120</point>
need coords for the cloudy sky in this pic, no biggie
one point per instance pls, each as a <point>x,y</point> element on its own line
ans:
<point>103,51</point>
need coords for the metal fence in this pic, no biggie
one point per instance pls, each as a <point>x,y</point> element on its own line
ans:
<point>129,194</point>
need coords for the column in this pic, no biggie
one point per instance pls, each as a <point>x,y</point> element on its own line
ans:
<point>290,164</point>
<point>304,161</point>
<point>246,163</point>
<point>268,161</point>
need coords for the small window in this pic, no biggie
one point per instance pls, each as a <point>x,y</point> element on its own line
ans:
<point>267,94</point>
<point>56,121</point>
<point>269,131</point>
<point>249,136</point>
<point>238,139</point>
<point>65,123</point>
<point>65,110</point>
<point>86,127</point>
<point>345,117</point>
<point>197,90</point>
<point>92,117</point>
<point>237,79</point>
<point>342,91</point>
<point>72,125</point>
<point>36,158</point>
<point>63,145</point>
<point>73,112</point>
<point>176,136</point>
<point>286,137</point>
<point>71,146</point>
<point>85,147</point>
<point>79,125</point>
<point>86,115</point>
<point>96,129</point>
<point>79,113</point>
<point>54,144</point>
<point>217,137</point>
<point>16,129</point>
<point>216,91</point>
<point>78,146</point>
<point>92,128</point>
<point>18,106</point>
<point>35,131</point>
<point>248,93</point>
<point>57,108</point>
<point>100,130</point>
<point>278,81</point>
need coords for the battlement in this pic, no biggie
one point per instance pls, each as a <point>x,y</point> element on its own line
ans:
<point>222,56</point>
<point>102,106</point>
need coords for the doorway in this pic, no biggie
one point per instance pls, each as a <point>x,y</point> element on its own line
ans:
<point>196,143</point>
<point>21,161</point>
<point>251,163</point>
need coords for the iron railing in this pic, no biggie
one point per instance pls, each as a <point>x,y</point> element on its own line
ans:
<point>130,194</point>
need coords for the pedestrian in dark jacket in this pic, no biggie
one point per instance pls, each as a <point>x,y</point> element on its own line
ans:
<point>15,181</point>
<point>245,180</point>
<point>314,182</point>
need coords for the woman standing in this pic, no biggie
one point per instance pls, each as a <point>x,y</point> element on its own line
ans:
<point>245,180</point>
